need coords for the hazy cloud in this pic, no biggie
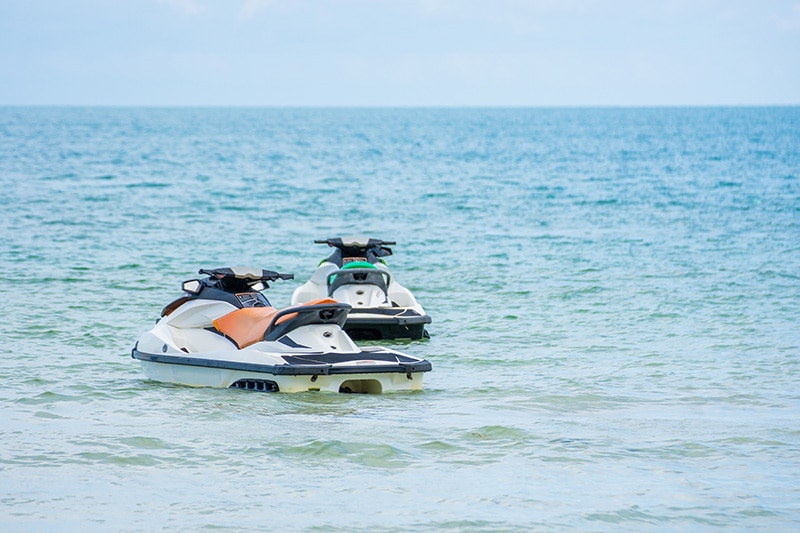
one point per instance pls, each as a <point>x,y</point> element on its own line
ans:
<point>190,7</point>
<point>792,19</point>
<point>253,7</point>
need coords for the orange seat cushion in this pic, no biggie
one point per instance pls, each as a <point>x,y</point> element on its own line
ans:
<point>247,326</point>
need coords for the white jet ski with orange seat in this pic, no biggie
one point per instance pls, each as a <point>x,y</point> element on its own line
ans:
<point>223,332</point>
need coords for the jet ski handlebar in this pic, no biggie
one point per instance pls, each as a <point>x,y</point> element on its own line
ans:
<point>250,275</point>
<point>348,242</point>
<point>233,279</point>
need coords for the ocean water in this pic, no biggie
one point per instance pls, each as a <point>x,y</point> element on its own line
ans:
<point>615,297</point>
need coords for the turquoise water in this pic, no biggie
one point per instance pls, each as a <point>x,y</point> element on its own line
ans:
<point>614,295</point>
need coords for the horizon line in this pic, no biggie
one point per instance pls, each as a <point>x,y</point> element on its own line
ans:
<point>398,106</point>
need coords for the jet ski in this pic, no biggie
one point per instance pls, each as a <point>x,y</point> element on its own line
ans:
<point>223,332</point>
<point>356,274</point>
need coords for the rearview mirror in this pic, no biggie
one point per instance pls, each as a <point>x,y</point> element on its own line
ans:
<point>192,286</point>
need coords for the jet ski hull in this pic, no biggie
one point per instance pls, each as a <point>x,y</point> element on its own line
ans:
<point>386,324</point>
<point>371,372</point>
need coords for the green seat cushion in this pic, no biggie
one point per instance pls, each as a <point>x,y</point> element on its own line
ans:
<point>358,264</point>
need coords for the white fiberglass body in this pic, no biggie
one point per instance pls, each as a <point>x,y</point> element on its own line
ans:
<point>356,274</point>
<point>227,335</point>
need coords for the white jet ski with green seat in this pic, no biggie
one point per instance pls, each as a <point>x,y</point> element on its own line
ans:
<point>356,274</point>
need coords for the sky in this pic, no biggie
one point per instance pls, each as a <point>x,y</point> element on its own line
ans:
<point>400,52</point>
